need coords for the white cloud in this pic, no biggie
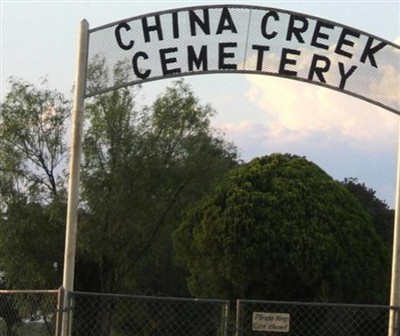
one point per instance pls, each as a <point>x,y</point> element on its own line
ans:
<point>304,110</point>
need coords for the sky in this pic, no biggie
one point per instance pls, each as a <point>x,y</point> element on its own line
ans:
<point>345,136</point>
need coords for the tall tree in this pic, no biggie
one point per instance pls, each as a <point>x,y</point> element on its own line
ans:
<point>141,167</point>
<point>32,144</point>
<point>281,228</point>
<point>32,202</point>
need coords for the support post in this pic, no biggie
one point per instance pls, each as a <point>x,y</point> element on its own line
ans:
<point>238,331</point>
<point>74,168</point>
<point>395,281</point>
<point>60,310</point>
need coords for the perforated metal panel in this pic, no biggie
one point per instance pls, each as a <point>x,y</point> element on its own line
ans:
<point>246,39</point>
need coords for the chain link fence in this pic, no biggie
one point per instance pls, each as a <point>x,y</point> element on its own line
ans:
<point>28,313</point>
<point>123,315</point>
<point>37,313</point>
<point>264,318</point>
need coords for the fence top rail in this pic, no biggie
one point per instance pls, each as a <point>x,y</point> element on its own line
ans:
<point>149,298</point>
<point>29,291</point>
<point>319,304</point>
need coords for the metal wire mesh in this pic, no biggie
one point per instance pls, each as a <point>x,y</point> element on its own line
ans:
<point>120,315</point>
<point>312,319</point>
<point>34,313</point>
<point>28,313</point>
<point>247,39</point>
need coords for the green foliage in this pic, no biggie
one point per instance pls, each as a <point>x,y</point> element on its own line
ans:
<point>32,146</point>
<point>281,228</point>
<point>32,240</point>
<point>382,216</point>
<point>32,193</point>
<point>140,168</point>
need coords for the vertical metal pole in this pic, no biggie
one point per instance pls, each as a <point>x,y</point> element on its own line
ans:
<point>74,168</point>
<point>395,282</point>
<point>238,319</point>
<point>225,319</point>
<point>60,309</point>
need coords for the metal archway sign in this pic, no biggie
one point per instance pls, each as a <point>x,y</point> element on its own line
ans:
<point>231,39</point>
<point>247,39</point>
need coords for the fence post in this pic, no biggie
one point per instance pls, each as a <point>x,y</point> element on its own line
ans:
<point>225,319</point>
<point>238,318</point>
<point>60,310</point>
